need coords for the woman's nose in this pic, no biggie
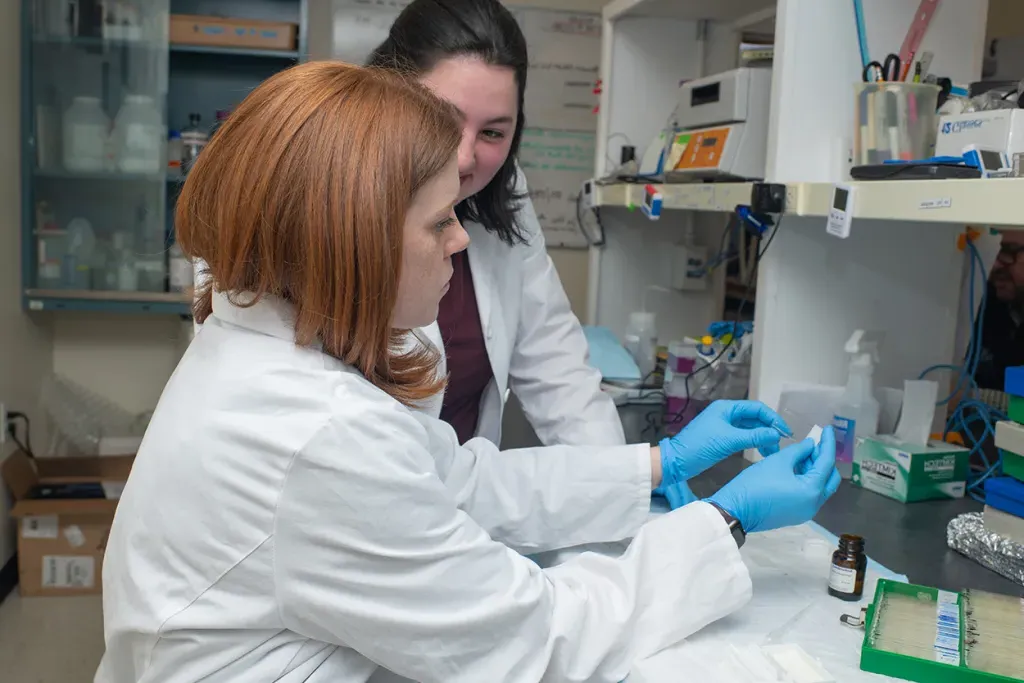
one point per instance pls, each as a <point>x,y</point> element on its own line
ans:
<point>459,239</point>
<point>467,153</point>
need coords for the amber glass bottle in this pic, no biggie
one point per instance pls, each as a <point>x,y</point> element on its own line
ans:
<point>849,564</point>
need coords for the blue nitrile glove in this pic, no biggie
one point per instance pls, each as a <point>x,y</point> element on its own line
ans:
<point>721,429</point>
<point>773,493</point>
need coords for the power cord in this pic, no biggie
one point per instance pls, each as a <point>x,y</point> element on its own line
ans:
<point>25,446</point>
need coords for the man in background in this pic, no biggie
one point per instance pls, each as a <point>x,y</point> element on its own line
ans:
<point>1002,332</point>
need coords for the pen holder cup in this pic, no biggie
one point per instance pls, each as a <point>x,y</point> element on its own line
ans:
<point>894,120</point>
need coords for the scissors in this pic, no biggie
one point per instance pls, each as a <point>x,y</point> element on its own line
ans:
<point>887,71</point>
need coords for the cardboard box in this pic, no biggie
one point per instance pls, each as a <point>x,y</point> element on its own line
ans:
<point>187,29</point>
<point>61,540</point>
<point>910,472</point>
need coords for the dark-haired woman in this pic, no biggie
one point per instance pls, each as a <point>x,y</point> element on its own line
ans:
<point>506,322</point>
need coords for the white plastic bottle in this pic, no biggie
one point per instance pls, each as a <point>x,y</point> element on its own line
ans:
<point>857,413</point>
<point>86,131</point>
<point>641,340</point>
<point>139,136</point>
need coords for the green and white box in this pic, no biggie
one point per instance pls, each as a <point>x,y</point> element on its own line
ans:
<point>910,472</point>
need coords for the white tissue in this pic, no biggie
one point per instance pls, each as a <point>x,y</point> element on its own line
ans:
<point>815,434</point>
<point>918,411</point>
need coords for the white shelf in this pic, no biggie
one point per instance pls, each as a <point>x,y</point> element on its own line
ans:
<point>693,197</point>
<point>983,202</point>
<point>728,11</point>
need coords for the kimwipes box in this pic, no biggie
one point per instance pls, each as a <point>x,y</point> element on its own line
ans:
<point>64,508</point>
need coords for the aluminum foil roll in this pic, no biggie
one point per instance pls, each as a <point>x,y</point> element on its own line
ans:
<point>966,534</point>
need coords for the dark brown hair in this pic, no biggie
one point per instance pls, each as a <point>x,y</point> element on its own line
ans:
<point>302,194</point>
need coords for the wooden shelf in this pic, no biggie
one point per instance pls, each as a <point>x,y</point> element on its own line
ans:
<point>235,51</point>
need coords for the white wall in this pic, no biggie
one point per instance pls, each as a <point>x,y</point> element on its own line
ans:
<point>25,346</point>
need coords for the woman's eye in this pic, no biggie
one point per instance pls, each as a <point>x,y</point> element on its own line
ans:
<point>444,224</point>
<point>493,134</point>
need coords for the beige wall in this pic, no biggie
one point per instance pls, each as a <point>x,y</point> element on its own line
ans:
<point>25,347</point>
<point>1005,18</point>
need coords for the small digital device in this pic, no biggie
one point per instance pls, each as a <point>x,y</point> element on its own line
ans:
<point>651,205</point>
<point>840,213</point>
<point>990,162</point>
<point>587,195</point>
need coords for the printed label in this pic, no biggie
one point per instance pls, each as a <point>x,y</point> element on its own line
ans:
<point>68,572</point>
<point>947,629</point>
<point>845,433</point>
<point>842,579</point>
<point>39,526</point>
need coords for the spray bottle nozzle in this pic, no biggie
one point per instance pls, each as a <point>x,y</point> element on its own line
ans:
<point>864,344</point>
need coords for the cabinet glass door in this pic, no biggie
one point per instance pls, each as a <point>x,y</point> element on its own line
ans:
<point>98,147</point>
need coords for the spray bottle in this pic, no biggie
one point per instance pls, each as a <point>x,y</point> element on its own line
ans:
<point>856,414</point>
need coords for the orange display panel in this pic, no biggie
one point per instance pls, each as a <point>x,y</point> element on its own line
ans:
<point>704,149</point>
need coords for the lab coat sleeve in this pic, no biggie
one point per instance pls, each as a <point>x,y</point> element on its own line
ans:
<point>371,552</point>
<point>539,499</point>
<point>548,371</point>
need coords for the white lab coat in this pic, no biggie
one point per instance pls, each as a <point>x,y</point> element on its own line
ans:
<point>287,521</point>
<point>534,342</point>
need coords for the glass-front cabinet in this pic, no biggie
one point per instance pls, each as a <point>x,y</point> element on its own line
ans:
<point>118,98</point>
<point>94,163</point>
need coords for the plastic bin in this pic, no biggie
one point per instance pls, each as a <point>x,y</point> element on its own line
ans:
<point>894,120</point>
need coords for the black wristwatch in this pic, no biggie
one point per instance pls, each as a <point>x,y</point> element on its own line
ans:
<point>735,528</point>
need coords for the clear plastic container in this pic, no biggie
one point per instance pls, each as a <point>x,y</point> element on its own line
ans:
<point>894,120</point>
<point>175,150</point>
<point>641,340</point>
<point>139,136</point>
<point>86,132</point>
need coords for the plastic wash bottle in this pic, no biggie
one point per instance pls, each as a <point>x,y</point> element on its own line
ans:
<point>856,414</point>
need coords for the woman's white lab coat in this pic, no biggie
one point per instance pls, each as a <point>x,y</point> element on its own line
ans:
<point>285,520</point>
<point>534,342</point>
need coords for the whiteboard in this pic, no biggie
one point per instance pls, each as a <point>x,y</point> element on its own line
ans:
<point>557,150</point>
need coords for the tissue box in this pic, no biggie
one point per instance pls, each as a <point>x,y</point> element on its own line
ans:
<point>910,472</point>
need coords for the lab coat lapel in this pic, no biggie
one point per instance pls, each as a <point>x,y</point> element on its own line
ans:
<point>484,262</point>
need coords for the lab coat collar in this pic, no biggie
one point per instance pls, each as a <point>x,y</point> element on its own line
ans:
<point>271,315</point>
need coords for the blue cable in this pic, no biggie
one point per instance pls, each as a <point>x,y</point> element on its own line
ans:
<point>970,411</point>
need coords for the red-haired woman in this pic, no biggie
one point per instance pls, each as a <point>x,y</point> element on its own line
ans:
<point>291,517</point>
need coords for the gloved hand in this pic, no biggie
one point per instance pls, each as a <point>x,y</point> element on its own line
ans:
<point>723,428</point>
<point>784,490</point>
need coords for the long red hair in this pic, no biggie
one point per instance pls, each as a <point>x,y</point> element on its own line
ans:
<point>302,194</point>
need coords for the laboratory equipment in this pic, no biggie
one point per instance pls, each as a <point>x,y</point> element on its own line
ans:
<point>991,163</point>
<point>840,216</point>
<point>722,124</point>
<point>641,340</point>
<point>180,271</point>
<point>80,246</point>
<point>858,409</point>
<point>651,205</point>
<point>1001,130</point>
<point>193,139</point>
<point>919,633</point>
<point>848,569</point>
<point>124,262</point>
<point>175,151</point>
<point>894,121</point>
<point>86,134</point>
<point>139,136</point>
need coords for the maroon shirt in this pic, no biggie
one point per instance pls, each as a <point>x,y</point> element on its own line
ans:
<point>469,368</point>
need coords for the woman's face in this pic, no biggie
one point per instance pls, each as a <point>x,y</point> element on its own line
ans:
<point>431,235</point>
<point>487,96</point>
